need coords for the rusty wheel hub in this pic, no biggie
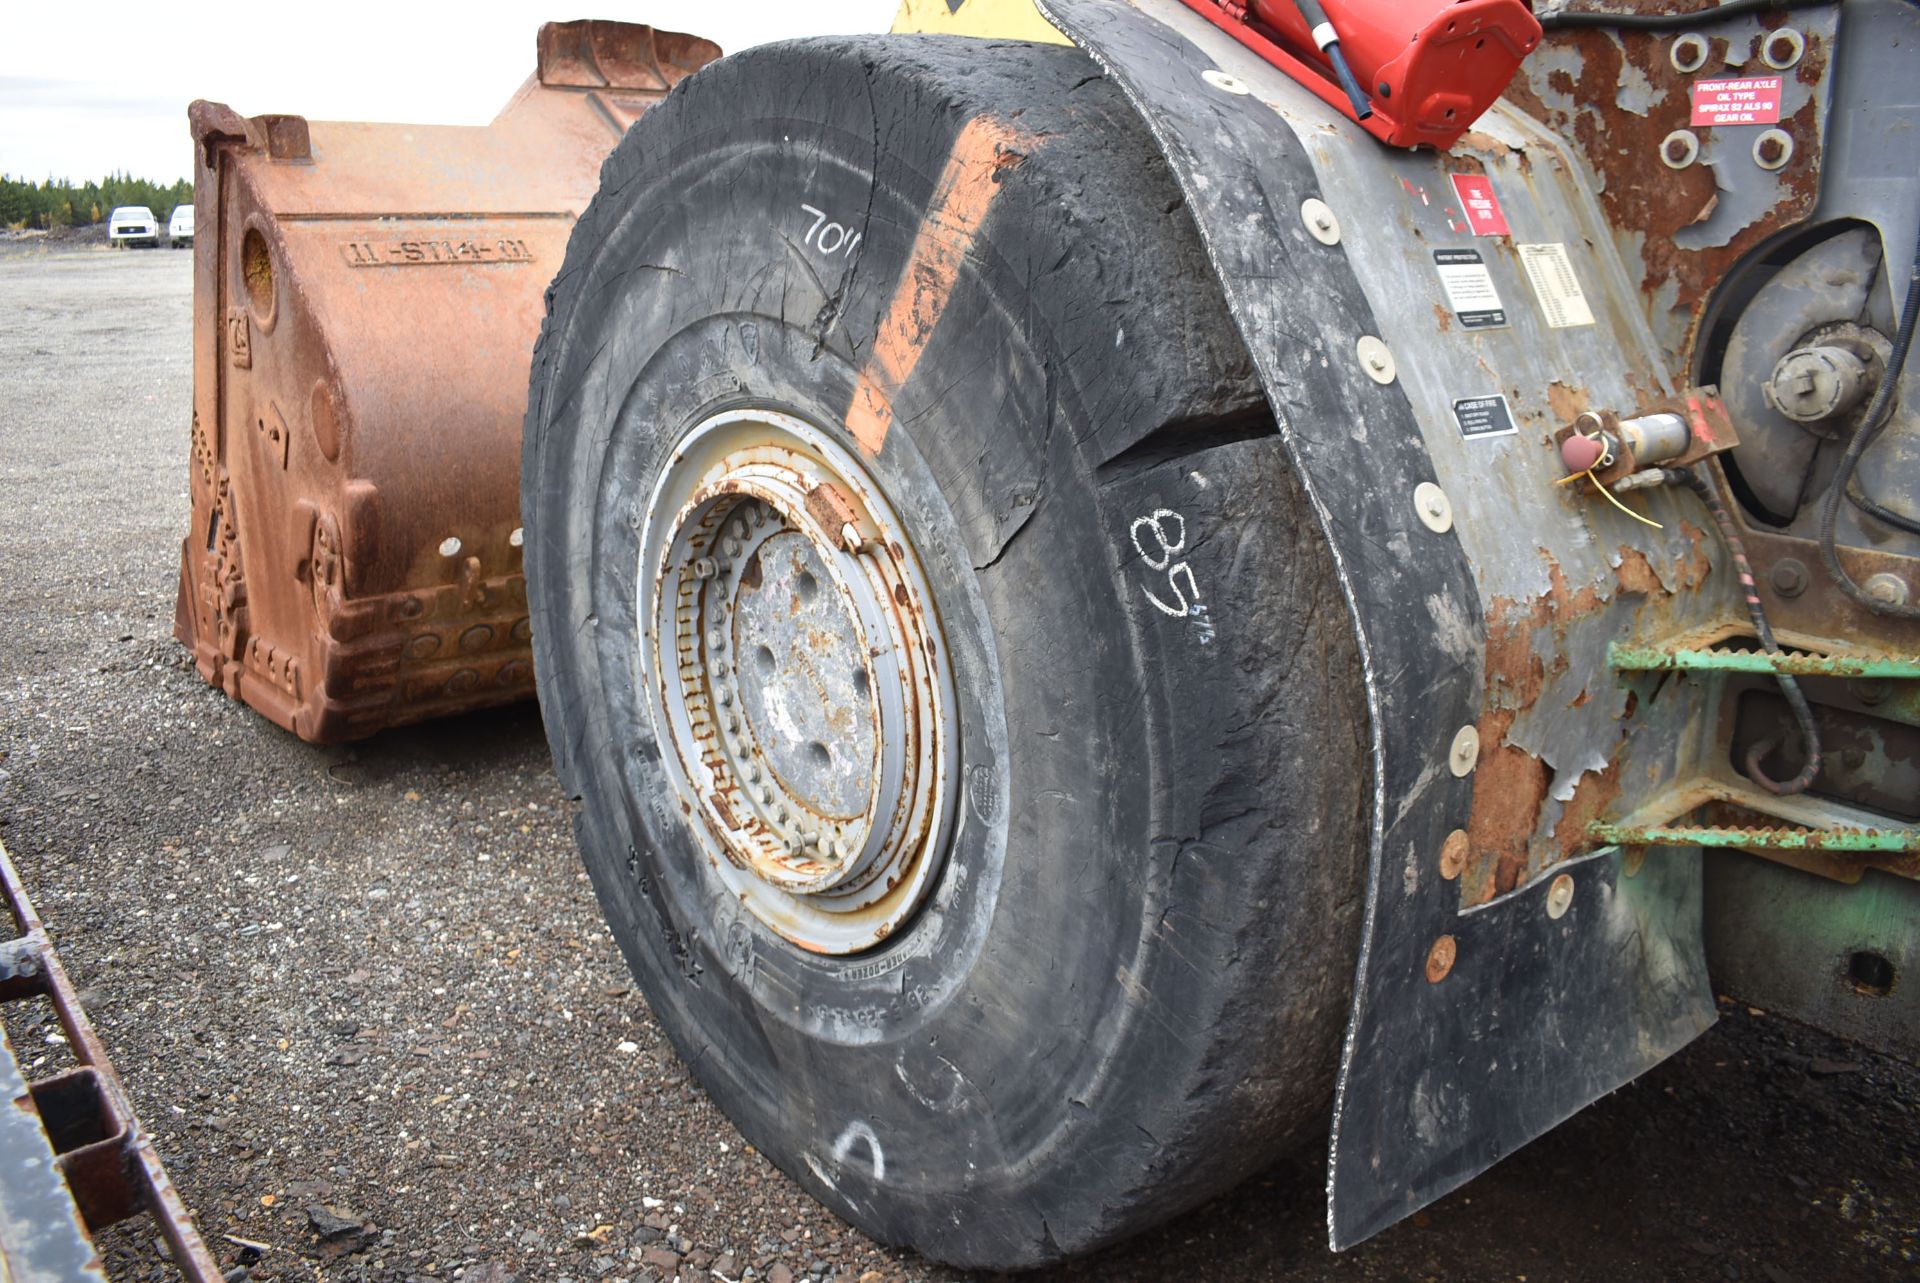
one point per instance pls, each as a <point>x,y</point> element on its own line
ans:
<point>797,680</point>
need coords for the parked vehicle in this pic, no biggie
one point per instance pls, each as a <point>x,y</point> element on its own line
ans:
<point>1109,609</point>
<point>133,225</point>
<point>180,227</point>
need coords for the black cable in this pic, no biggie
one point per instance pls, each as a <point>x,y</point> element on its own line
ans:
<point>1673,21</point>
<point>1858,498</point>
<point>1878,416</point>
<point>1802,713</point>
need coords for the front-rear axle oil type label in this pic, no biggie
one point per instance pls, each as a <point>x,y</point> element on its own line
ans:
<point>1469,287</point>
<point>1753,101</point>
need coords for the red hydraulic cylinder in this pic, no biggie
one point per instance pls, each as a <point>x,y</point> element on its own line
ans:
<point>1429,67</point>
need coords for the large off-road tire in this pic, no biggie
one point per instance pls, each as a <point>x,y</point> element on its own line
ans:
<point>1005,890</point>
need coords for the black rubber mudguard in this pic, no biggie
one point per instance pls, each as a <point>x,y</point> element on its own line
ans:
<point>1539,1014</point>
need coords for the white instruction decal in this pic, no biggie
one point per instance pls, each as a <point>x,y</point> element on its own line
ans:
<point>1484,416</point>
<point>1550,269</point>
<point>1469,287</point>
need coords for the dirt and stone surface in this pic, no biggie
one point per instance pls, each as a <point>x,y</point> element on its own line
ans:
<point>365,1002</point>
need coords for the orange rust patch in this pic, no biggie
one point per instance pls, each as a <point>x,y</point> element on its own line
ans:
<point>1510,784</point>
<point>1509,788</point>
<point>1636,573</point>
<point>1443,317</point>
<point>1595,792</point>
<point>1514,673</point>
<point>1696,565</point>
<point>1567,403</point>
<point>1622,145</point>
<point>965,191</point>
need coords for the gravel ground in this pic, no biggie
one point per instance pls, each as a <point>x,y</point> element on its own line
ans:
<point>367,990</point>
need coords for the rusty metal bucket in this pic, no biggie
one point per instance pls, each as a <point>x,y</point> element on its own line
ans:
<point>366,298</point>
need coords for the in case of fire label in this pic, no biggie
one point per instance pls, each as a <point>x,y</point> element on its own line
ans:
<point>1550,268</point>
<point>1469,287</point>
<point>1484,416</point>
<point>1753,101</point>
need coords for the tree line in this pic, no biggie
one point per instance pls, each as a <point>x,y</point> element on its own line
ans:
<point>65,204</point>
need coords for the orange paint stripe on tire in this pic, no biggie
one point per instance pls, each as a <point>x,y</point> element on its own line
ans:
<point>968,183</point>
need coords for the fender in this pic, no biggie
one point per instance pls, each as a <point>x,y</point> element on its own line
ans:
<point>1512,968</point>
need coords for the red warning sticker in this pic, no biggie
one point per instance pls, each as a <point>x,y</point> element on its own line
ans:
<point>1482,206</point>
<point>1754,101</point>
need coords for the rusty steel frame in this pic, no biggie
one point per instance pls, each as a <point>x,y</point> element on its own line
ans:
<point>95,1143</point>
<point>366,299</point>
<point>1502,734</point>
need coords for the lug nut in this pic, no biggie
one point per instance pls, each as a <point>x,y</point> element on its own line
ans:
<point>705,568</point>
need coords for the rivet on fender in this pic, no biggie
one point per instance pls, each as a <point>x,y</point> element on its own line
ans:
<point>1375,359</point>
<point>1433,506</point>
<point>1320,221</point>
<point>1465,752</point>
<point>1560,896</point>
<point>1440,959</point>
<point>1223,82</point>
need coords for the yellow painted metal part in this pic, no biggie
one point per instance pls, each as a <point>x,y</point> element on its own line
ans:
<point>998,19</point>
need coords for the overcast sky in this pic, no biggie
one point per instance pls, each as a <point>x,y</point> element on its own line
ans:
<point>88,88</point>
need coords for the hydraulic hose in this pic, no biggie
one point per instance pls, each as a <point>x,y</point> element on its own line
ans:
<point>1797,701</point>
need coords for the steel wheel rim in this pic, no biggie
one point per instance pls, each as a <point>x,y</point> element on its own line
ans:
<point>796,678</point>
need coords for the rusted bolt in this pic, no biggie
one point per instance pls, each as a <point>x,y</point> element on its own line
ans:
<point>1453,855</point>
<point>1787,577</point>
<point>1465,751</point>
<point>1559,896</point>
<point>1680,149</point>
<point>1891,589</point>
<point>1870,690</point>
<point>1773,149</point>
<point>1689,53</point>
<point>1632,860</point>
<point>1783,48</point>
<point>1440,959</point>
